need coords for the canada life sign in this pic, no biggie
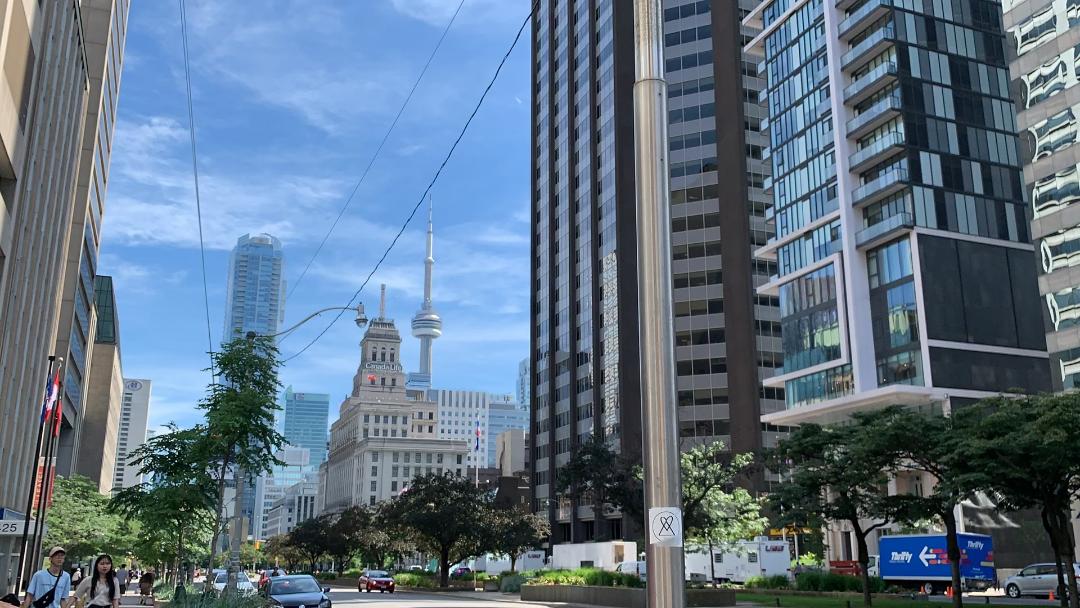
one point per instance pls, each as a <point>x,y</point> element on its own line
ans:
<point>926,557</point>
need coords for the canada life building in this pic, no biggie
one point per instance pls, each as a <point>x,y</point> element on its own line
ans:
<point>906,271</point>
<point>584,360</point>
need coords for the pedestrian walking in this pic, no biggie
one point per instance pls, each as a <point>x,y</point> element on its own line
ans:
<point>49,588</point>
<point>146,588</point>
<point>100,589</point>
<point>122,578</point>
<point>76,575</point>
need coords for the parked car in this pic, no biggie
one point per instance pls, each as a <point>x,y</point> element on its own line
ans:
<point>461,571</point>
<point>296,591</point>
<point>375,580</point>
<point>244,585</point>
<point>1036,579</point>
<point>636,568</point>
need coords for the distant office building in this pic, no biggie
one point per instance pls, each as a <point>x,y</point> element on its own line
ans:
<point>269,488</point>
<point>512,453</point>
<point>906,270</point>
<point>305,423</point>
<point>105,28</point>
<point>523,384</point>
<point>465,414</point>
<point>134,411</point>
<point>100,426</point>
<point>255,294</point>
<point>504,414</point>
<point>1043,39</point>
<point>296,505</point>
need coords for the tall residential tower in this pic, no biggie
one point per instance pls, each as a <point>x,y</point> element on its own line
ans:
<point>906,273</point>
<point>255,294</point>
<point>584,360</point>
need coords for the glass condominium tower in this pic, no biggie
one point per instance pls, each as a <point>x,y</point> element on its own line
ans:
<point>584,354</point>
<point>906,271</point>
<point>255,295</point>
<point>1043,40</point>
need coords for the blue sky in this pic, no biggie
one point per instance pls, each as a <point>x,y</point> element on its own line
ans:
<point>291,98</point>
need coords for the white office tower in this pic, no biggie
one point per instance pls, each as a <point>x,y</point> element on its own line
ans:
<point>134,411</point>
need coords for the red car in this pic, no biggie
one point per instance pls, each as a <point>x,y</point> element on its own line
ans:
<point>375,580</point>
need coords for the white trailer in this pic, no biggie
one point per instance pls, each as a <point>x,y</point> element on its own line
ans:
<point>496,564</point>
<point>604,555</point>
<point>747,559</point>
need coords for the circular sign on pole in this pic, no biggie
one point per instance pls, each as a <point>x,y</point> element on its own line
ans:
<point>665,526</point>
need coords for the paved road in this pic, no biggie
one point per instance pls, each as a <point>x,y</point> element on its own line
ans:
<point>406,599</point>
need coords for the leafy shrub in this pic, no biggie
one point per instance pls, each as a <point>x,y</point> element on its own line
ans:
<point>832,581</point>
<point>588,576</point>
<point>415,579</point>
<point>810,581</point>
<point>511,583</point>
<point>326,576</point>
<point>779,581</point>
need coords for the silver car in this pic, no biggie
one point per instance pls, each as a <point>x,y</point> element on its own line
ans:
<point>1036,579</point>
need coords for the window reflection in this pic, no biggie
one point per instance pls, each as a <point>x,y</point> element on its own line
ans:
<point>1053,134</point>
<point>1064,307</point>
<point>1055,191</point>
<point>1051,78</point>
<point>1044,25</point>
<point>1061,249</point>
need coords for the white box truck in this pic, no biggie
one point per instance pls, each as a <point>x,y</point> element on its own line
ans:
<point>737,564</point>
<point>604,555</point>
<point>496,564</point>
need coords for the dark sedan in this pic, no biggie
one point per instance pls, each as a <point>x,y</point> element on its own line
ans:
<point>375,580</point>
<point>296,591</point>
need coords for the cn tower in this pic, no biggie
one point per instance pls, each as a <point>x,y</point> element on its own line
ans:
<point>427,324</point>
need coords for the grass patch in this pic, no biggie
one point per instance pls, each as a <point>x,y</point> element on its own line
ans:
<point>803,601</point>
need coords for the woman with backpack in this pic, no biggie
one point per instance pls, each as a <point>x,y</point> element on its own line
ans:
<point>100,589</point>
<point>146,587</point>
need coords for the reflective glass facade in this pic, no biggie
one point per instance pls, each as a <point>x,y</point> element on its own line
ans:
<point>1043,39</point>
<point>585,362</point>
<point>255,294</point>
<point>305,425</point>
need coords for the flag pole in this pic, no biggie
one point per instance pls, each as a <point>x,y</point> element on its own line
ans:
<point>49,470</point>
<point>34,476</point>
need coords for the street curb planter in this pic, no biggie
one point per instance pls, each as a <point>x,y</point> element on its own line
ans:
<point>618,597</point>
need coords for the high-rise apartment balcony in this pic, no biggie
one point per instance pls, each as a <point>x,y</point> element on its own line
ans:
<point>767,184</point>
<point>884,230</point>
<point>879,151</point>
<point>884,185</point>
<point>867,14</point>
<point>869,48</point>
<point>873,117</point>
<point>870,83</point>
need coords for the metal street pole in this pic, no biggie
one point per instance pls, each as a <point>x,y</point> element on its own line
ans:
<point>20,575</point>
<point>659,413</point>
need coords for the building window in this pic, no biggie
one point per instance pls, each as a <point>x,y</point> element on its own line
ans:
<point>382,381</point>
<point>427,458</point>
<point>393,486</point>
<point>394,472</point>
<point>459,458</point>
<point>393,382</point>
<point>391,355</point>
<point>373,486</point>
<point>374,471</point>
<point>438,458</point>
<point>395,456</point>
<point>366,417</point>
<point>371,500</point>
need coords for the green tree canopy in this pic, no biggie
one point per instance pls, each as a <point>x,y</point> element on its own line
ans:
<point>80,521</point>
<point>515,532</point>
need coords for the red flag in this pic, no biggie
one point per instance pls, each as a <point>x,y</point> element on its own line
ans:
<point>59,417</point>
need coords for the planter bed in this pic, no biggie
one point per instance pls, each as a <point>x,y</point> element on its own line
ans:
<point>618,597</point>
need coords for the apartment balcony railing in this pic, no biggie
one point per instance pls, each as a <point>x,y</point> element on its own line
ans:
<point>873,117</point>
<point>876,152</point>
<point>885,229</point>
<point>871,82</point>
<point>867,14</point>
<point>885,184</point>
<point>869,47</point>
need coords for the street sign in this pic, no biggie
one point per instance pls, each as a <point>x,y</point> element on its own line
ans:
<point>15,528</point>
<point>665,526</point>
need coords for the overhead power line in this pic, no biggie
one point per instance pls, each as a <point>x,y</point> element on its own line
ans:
<point>375,156</point>
<point>195,174</point>
<point>431,184</point>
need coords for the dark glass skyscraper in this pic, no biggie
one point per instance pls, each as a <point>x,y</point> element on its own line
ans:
<point>306,423</point>
<point>906,273</point>
<point>585,362</point>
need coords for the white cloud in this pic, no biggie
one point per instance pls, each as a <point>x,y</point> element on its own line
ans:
<point>438,12</point>
<point>135,278</point>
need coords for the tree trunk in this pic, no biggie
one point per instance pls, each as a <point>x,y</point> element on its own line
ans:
<point>864,563</point>
<point>712,564</point>
<point>1051,531</point>
<point>179,551</point>
<point>513,560</point>
<point>953,550</point>
<point>218,516</point>
<point>444,566</point>
<point>1060,522</point>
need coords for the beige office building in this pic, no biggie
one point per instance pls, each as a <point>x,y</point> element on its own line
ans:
<point>384,435</point>
<point>43,96</point>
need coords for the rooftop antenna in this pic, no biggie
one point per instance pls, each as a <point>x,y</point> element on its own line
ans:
<point>382,301</point>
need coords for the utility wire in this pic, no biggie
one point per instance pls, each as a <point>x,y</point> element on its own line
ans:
<point>427,190</point>
<point>375,156</point>
<point>195,173</point>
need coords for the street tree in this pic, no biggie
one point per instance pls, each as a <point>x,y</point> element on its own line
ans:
<point>1026,450</point>
<point>835,473</point>
<point>449,517</point>
<point>312,539</point>
<point>595,470</point>
<point>279,549</point>
<point>345,535</point>
<point>178,503</point>
<point>516,531</point>
<point>81,522</point>
<point>933,444</point>
<point>239,408</point>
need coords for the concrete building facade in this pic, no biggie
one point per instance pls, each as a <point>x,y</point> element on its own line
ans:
<point>477,417</point>
<point>44,97</point>
<point>1043,44</point>
<point>295,506</point>
<point>99,433</point>
<point>906,271</point>
<point>105,30</point>
<point>585,364</point>
<point>134,412</point>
